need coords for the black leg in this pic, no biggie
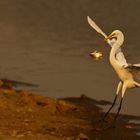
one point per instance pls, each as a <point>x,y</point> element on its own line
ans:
<point>110,107</point>
<point>118,111</point>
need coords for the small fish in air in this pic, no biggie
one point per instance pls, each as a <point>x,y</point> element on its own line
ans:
<point>96,55</point>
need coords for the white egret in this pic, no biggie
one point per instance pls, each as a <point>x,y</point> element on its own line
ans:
<point>127,73</point>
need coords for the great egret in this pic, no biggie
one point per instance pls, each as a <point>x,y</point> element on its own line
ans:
<point>127,73</point>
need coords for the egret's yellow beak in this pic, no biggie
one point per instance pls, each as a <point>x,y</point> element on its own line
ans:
<point>109,37</point>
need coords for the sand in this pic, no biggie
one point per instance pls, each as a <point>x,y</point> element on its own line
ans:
<point>24,115</point>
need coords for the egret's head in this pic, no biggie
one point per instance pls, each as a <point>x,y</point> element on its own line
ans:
<point>115,34</point>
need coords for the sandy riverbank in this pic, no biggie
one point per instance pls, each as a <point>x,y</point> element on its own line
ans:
<point>24,115</point>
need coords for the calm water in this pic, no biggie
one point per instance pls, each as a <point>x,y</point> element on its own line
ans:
<point>47,43</point>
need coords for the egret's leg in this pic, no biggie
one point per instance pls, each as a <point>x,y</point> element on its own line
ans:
<point>118,89</point>
<point>118,111</point>
<point>123,91</point>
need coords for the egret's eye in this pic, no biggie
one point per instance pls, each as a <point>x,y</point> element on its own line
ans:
<point>113,34</point>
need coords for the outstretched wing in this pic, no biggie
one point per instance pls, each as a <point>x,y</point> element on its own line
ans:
<point>119,54</point>
<point>135,70</point>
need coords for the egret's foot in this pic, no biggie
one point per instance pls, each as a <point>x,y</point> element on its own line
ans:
<point>103,121</point>
<point>106,118</point>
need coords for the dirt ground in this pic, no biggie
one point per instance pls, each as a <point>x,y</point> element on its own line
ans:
<point>24,115</point>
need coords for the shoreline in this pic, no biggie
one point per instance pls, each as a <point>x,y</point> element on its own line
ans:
<point>28,116</point>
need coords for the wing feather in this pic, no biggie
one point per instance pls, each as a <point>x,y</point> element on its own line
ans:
<point>135,70</point>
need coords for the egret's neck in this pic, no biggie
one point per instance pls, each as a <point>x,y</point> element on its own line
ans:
<point>116,45</point>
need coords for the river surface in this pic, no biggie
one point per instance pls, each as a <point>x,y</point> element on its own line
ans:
<point>48,42</point>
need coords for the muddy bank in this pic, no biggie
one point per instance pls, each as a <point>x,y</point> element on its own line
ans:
<point>27,116</point>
